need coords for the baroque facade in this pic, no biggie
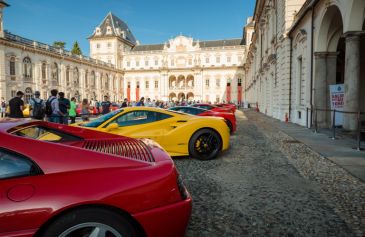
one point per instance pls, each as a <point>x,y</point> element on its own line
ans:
<point>180,69</point>
<point>317,43</point>
<point>30,66</point>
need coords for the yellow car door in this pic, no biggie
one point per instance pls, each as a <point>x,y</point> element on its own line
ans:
<point>141,124</point>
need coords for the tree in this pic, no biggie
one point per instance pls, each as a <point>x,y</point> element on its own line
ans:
<point>59,44</point>
<point>76,49</point>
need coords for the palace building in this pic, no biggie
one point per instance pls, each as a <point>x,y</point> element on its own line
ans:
<point>179,69</point>
<point>119,66</point>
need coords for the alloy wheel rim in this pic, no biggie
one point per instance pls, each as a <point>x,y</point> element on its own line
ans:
<point>206,144</point>
<point>91,229</point>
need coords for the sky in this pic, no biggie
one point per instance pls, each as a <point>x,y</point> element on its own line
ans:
<point>151,21</point>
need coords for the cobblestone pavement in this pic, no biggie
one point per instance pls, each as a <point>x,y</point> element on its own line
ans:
<point>254,190</point>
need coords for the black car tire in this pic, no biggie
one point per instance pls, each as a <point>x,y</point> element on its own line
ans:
<point>95,216</point>
<point>198,142</point>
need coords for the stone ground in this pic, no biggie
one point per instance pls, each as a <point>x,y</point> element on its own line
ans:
<point>254,189</point>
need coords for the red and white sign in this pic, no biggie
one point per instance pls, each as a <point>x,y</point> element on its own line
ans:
<point>337,94</point>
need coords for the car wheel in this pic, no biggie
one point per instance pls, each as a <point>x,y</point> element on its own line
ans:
<point>90,222</point>
<point>205,144</point>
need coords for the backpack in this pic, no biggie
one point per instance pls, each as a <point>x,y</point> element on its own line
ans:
<point>38,111</point>
<point>49,110</point>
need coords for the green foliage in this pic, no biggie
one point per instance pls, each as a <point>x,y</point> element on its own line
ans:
<point>59,44</point>
<point>76,49</point>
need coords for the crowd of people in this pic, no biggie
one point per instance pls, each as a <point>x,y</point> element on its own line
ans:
<point>59,109</point>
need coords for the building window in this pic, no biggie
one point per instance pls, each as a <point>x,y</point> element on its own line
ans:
<point>156,62</point>
<point>128,63</point>
<point>13,93</point>
<point>27,67</point>
<point>239,82</point>
<point>93,79</point>
<point>206,60</point>
<point>129,84</point>
<point>190,61</point>
<point>137,63</point>
<point>109,45</point>
<point>106,84</point>
<point>98,46</point>
<point>218,82</point>
<point>28,94</point>
<point>300,81</point>
<point>147,84</point>
<point>109,61</point>
<point>228,59</point>
<point>44,71</point>
<point>218,59</point>
<point>207,82</point>
<point>172,62</point>
<point>146,63</point>
<point>156,84</point>
<point>12,66</point>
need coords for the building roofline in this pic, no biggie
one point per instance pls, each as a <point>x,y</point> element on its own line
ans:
<point>307,6</point>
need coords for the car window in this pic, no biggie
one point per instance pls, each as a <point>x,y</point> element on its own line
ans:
<point>45,134</point>
<point>139,117</point>
<point>15,165</point>
<point>100,120</point>
<point>208,107</point>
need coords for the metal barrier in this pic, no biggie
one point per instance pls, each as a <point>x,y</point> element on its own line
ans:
<point>358,114</point>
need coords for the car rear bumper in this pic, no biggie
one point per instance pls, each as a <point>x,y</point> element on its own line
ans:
<point>167,221</point>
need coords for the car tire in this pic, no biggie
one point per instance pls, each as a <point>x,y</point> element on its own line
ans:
<point>205,144</point>
<point>84,222</point>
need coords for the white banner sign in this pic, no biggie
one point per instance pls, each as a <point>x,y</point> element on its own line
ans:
<point>337,94</point>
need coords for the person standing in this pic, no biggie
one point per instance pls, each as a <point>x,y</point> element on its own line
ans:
<point>105,105</point>
<point>72,110</point>
<point>85,110</point>
<point>52,108</point>
<point>125,103</point>
<point>37,107</point>
<point>64,105</point>
<point>16,106</point>
<point>141,102</point>
<point>3,107</point>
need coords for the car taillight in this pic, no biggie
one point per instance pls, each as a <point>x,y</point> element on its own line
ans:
<point>182,189</point>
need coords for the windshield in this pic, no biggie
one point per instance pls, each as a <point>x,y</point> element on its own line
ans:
<point>100,120</point>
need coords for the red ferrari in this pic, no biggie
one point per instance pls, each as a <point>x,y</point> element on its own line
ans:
<point>213,107</point>
<point>62,181</point>
<point>229,117</point>
<point>228,105</point>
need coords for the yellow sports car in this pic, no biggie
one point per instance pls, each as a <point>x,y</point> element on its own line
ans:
<point>178,133</point>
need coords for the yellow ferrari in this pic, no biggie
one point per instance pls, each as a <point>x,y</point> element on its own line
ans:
<point>178,133</point>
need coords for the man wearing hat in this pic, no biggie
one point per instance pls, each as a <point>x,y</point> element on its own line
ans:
<point>37,107</point>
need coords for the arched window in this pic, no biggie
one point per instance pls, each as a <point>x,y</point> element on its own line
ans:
<point>76,77</point>
<point>54,72</point>
<point>28,94</point>
<point>86,79</point>
<point>44,71</point>
<point>68,76</point>
<point>12,66</point>
<point>27,67</point>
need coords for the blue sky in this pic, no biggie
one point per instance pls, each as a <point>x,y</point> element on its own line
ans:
<point>151,21</point>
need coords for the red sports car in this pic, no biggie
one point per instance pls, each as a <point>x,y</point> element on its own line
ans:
<point>230,118</point>
<point>213,107</point>
<point>229,105</point>
<point>62,181</point>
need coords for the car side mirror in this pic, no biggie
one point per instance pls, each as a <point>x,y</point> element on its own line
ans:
<point>112,126</point>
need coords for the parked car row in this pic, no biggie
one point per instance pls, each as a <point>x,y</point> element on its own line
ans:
<point>112,176</point>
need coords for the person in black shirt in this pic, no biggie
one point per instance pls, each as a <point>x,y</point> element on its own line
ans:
<point>125,103</point>
<point>16,106</point>
<point>105,105</point>
<point>64,105</point>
